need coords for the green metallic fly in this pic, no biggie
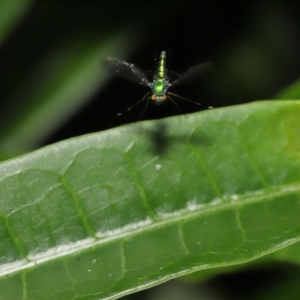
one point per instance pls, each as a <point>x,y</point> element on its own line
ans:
<point>159,86</point>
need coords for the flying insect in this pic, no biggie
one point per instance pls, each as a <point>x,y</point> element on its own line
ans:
<point>159,87</point>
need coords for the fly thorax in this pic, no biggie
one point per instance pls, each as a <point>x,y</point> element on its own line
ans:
<point>159,87</point>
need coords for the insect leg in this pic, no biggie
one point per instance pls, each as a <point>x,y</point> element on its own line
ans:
<point>138,102</point>
<point>143,110</point>
<point>197,103</point>
<point>179,75</point>
<point>177,105</point>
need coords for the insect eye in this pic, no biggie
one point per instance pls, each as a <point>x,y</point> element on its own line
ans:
<point>153,97</point>
<point>164,97</point>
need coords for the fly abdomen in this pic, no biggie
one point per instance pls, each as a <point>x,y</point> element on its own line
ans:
<point>161,69</point>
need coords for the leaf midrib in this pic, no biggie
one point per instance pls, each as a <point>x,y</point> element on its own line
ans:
<point>173,218</point>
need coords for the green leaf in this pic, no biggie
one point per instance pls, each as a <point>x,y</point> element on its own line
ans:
<point>292,91</point>
<point>108,214</point>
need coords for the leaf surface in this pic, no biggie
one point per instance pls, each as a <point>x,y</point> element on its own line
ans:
<point>107,214</point>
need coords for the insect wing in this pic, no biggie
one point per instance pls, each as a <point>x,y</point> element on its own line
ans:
<point>193,73</point>
<point>126,70</point>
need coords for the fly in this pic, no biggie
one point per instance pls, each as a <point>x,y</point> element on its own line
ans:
<point>159,88</point>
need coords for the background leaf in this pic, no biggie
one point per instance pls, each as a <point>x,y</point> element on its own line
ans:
<point>63,82</point>
<point>10,13</point>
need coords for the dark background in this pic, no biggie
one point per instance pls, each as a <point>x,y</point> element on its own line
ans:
<point>253,45</point>
<point>251,61</point>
